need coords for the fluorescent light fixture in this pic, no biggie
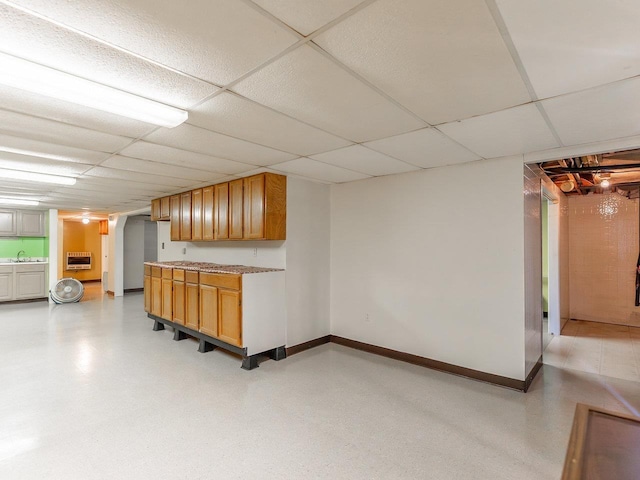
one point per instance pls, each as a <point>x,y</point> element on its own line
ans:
<point>36,177</point>
<point>16,201</point>
<point>18,73</point>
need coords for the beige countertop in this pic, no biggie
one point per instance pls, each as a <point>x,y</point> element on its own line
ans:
<point>212,267</point>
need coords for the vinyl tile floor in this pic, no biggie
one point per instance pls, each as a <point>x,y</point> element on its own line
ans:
<point>89,391</point>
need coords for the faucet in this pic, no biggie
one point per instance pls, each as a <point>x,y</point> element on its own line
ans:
<point>21,252</point>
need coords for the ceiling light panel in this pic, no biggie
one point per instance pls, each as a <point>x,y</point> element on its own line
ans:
<point>602,113</point>
<point>442,60</point>
<point>44,42</point>
<point>26,126</point>
<point>567,46</point>
<point>195,139</point>
<point>174,156</point>
<point>70,113</point>
<point>41,165</point>
<point>306,16</point>
<point>425,148</point>
<point>311,169</point>
<point>308,86</point>
<point>35,177</point>
<point>364,160</point>
<point>236,116</point>
<point>509,132</point>
<point>18,202</point>
<point>51,151</point>
<point>225,38</point>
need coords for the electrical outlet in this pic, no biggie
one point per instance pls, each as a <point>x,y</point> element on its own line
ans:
<point>184,251</point>
<point>366,317</point>
<point>162,245</point>
<point>255,252</point>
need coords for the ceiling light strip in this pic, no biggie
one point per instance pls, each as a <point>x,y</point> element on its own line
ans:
<point>22,74</point>
<point>36,177</point>
<point>16,201</point>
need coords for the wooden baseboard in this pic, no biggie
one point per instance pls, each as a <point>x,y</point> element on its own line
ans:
<point>301,347</point>
<point>532,374</point>
<point>110,293</point>
<point>92,280</point>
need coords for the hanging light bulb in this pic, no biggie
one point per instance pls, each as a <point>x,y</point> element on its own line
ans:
<point>605,183</point>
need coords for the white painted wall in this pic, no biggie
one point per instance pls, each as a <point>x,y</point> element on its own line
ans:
<point>532,267</point>
<point>133,250</point>
<point>54,258</point>
<point>435,259</point>
<point>307,246</point>
<point>304,255</point>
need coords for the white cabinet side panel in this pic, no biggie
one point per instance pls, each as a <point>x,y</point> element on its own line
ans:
<point>264,314</point>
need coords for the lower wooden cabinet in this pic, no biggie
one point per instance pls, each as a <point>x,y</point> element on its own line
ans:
<point>229,317</point>
<point>192,306</point>
<point>147,292</point>
<point>178,302</point>
<point>209,310</point>
<point>156,296</point>
<point>167,294</point>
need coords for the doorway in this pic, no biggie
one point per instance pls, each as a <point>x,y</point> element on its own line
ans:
<point>550,219</point>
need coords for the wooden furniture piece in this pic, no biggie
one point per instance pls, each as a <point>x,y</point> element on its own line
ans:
<point>603,445</point>
<point>252,208</point>
<point>241,309</point>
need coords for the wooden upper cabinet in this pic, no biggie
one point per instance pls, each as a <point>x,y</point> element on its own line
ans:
<point>185,216</point>
<point>265,207</point>
<point>221,211</point>
<point>175,217</point>
<point>196,214</point>
<point>155,209</point>
<point>236,200</point>
<point>207,213</point>
<point>165,208</point>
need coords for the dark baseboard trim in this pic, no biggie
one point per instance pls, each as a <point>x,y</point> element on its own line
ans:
<point>91,281</point>
<point>534,371</point>
<point>301,347</point>
<point>133,290</point>
<point>434,364</point>
<point>110,293</point>
<point>26,300</point>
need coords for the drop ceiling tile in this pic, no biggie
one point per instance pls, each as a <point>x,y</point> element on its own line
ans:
<point>306,85</point>
<point>102,184</point>
<point>602,113</point>
<point>29,163</point>
<point>509,132</point>
<point>364,160</point>
<point>425,148</point>
<point>19,125</point>
<point>174,156</point>
<point>25,146</point>
<point>569,46</point>
<point>197,139</point>
<point>136,177</point>
<point>45,42</point>
<point>238,117</point>
<point>442,60</point>
<point>146,166</point>
<point>308,168</point>
<point>224,39</point>
<point>306,16</point>
<point>46,107</point>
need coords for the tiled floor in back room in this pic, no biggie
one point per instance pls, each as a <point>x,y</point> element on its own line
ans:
<point>89,391</point>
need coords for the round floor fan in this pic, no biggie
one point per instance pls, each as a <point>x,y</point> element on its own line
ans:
<point>67,290</point>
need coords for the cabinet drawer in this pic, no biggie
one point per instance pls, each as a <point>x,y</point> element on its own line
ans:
<point>167,273</point>
<point>6,269</point>
<point>29,268</point>
<point>223,280</point>
<point>147,269</point>
<point>192,277</point>
<point>156,272</point>
<point>178,275</point>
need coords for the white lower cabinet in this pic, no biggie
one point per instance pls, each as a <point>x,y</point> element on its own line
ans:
<point>22,282</point>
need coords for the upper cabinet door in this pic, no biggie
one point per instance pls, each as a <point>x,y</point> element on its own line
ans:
<point>254,207</point>
<point>185,216</point>
<point>221,211</point>
<point>165,208</point>
<point>175,217</point>
<point>155,209</point>
<point>207,213</point>
<point>196,214</point>
<point>8,222</point>
<point>31,223</point>
<point>236,199</point>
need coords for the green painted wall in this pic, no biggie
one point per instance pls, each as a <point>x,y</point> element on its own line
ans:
<point>32,246</point>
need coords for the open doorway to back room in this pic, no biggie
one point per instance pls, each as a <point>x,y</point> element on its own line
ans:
<point>600,203</point>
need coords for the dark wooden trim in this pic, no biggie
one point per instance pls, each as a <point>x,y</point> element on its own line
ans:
<point>532,374</point>
<point>433,364</point>
<point>133,290</point>
<point>301,347</point>
<point>91,280</point>
<point>25,300</point>
<point>110,293</point>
